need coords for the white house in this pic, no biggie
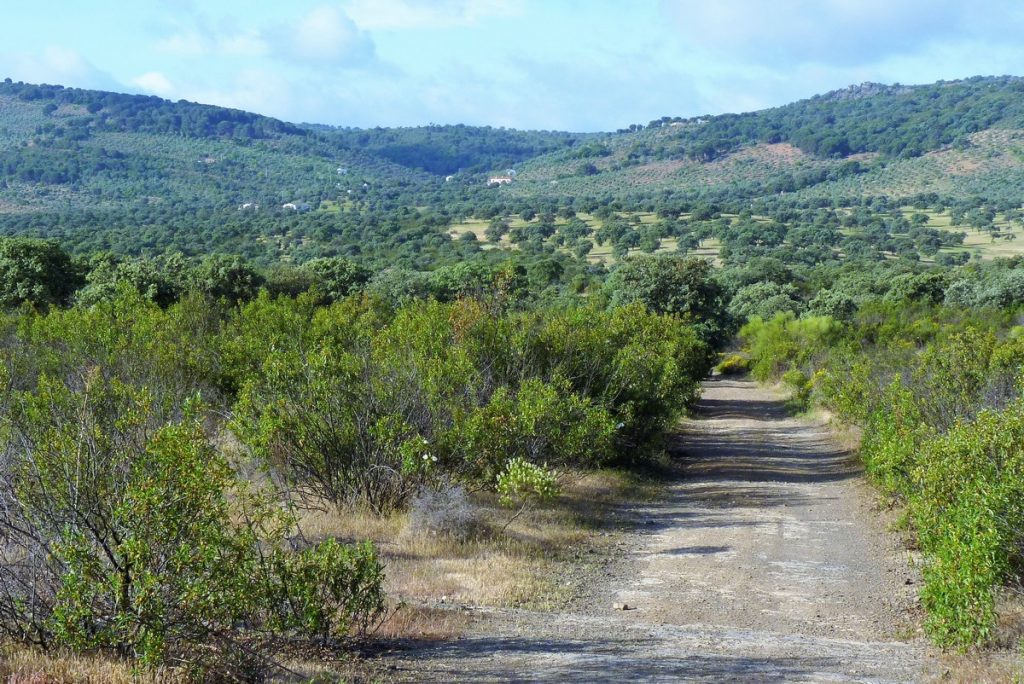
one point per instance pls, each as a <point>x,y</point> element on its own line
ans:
<point>249,206</point>
<point>300,207</point>
<point>499,180</point>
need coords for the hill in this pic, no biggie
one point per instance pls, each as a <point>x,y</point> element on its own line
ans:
<point>957,138</point>
<point>136,174</point>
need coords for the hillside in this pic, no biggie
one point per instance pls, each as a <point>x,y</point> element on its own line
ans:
<point>135,174</point>
<point>957,139</point>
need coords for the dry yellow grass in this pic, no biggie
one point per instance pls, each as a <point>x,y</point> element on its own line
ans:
<point>22,665</point>
<point>512,567</point>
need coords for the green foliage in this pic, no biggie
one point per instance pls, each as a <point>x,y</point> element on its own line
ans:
<point>670,284</point>
<point>227,277</point>
<point>969,509</point>
<point>801,386</point>
<point>134,534</point>
<point>336,277</point>
<point>764,300</point>
<point>328,591</point>
<point>38,272</point>
<point>360,408</point>
<point>523,483</point>
<point>786,342</point>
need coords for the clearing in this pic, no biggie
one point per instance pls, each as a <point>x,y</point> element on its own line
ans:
<point>765,561</point>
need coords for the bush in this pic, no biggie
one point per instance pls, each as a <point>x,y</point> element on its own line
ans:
<point>367,411</point>
<point>968,503</point>
<point>733,364</point>
<point>786,342</point>
<point>443,510</point>
<point>125,533</point>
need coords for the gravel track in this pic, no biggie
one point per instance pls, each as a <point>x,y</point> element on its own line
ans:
<point>765,562</point>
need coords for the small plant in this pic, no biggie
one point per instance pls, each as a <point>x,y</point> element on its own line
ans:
<point>443,511</point>
<point>526,484</point>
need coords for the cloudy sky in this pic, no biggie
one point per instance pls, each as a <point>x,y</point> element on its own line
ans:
<point>581,65</point>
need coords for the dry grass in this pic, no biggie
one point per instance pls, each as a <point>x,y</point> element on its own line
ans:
<point>517,566</point>
<point>22,665</point>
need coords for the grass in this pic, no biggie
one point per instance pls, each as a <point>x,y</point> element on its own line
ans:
<point>22,665</point>
<point>519,567</point>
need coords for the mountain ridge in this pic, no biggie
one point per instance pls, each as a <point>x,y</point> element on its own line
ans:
<point>108,171</point>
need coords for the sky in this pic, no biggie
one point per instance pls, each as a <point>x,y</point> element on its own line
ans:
<point>579,65</point>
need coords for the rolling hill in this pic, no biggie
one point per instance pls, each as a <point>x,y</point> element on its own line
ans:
<point>136,174</point>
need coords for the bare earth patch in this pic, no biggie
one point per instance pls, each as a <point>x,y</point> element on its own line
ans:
<point>766,561</point>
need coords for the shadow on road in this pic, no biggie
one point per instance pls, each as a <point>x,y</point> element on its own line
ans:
<point>611,660</point>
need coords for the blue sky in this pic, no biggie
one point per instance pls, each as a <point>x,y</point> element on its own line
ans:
<point>581,65</point>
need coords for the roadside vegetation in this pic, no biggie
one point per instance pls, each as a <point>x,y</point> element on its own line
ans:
<point>195,472</point>
<point>936,391</point>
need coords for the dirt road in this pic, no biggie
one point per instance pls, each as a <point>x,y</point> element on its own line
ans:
<point>764,563</point>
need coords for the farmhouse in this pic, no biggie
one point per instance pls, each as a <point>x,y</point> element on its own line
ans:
<point>300,207</point>
<point>499,180</point>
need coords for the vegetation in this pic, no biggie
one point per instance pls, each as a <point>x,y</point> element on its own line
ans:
<point>215,323</point>
<point>161,450</point>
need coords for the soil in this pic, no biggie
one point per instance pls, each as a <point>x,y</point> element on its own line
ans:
<point>768,560</point>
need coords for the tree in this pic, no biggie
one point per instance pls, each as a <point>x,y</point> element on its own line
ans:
<point>765,299</point>
<point>337,277</point>
<point>36,271</point>
<point>672,284</point>
<point>228,277</point>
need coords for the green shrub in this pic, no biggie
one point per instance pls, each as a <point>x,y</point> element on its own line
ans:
<point>786,342</point>
<point>523,483</point>
<point>968,504</point>
<point>134,535</point>
<point>800,385</point>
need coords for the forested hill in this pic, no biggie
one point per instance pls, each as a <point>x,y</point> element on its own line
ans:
<point>957,138</point>
<point>452,149</point>
<point>904,121</point>
<point>130,173</point>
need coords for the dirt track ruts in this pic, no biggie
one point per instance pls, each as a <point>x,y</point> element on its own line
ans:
<point>765,562</point>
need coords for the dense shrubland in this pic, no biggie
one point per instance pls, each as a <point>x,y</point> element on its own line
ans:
<point>164,426</point>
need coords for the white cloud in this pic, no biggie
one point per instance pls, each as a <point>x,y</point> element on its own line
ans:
<point>184,44</point>
<point>422,14</point>
<point>199,42</point>
<point>841,32</point>
<point>56,65</point>
<point>155,83</point>
<point>325,35</point>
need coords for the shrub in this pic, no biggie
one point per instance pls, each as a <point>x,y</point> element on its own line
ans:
<point>524,483</point>
<point>126,533</point>
<point>800,385</point>
<point>968,503</point>
<point>787,342</point>
<point>733,364</point>
<point>443,510</point>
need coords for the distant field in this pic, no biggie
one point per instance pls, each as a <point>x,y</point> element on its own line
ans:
<point>978,242</point>
<point>600,253</point>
